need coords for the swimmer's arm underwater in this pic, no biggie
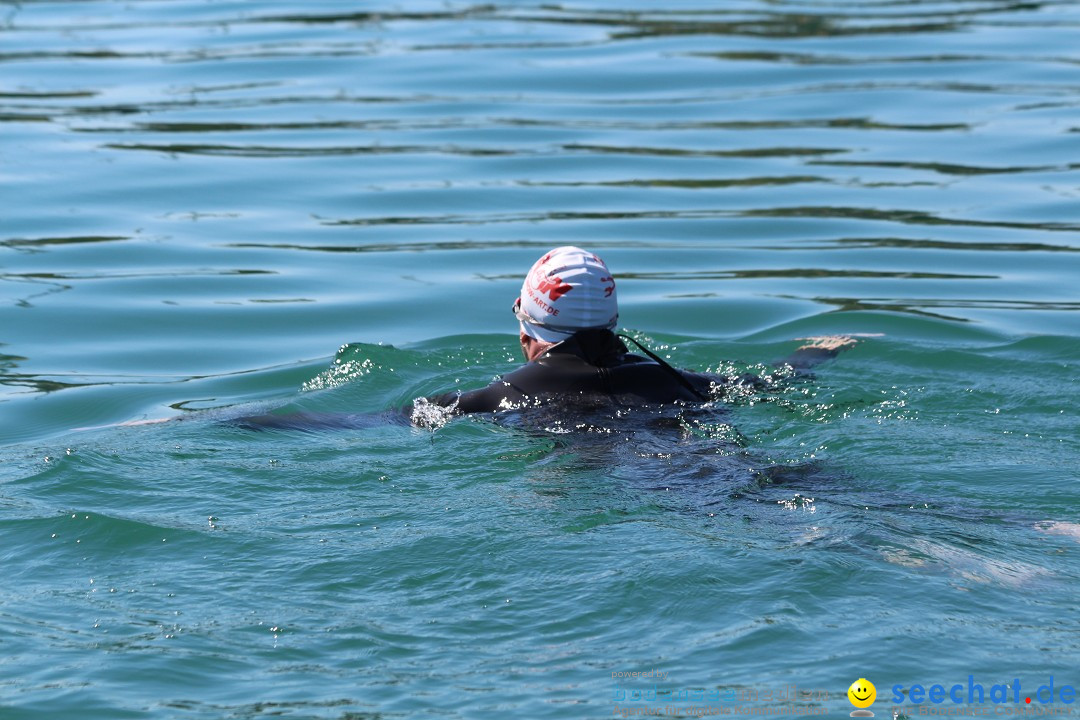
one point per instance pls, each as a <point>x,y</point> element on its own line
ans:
<point>814,351</point>
<point>311,422</point>
<point>306,421</point>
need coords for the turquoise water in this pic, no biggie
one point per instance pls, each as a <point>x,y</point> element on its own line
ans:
<point>217,208</point>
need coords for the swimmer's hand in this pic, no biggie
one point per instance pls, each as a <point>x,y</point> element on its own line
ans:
<point>832,343</point>
<point>823,347</point>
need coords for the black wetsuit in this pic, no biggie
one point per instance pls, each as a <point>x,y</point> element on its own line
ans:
<point>592,368</point>
<point>592,365</point>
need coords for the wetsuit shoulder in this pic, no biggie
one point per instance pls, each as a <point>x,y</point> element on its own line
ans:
<point>564,377</point>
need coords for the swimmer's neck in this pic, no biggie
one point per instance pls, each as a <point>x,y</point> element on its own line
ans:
<point>533,348</point>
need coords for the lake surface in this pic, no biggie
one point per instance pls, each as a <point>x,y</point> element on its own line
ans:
<point>218,208</point>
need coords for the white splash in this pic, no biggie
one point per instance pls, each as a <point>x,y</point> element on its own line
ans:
<point>426,414</point>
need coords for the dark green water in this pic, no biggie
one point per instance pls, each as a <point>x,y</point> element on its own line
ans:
<point>211,208</point>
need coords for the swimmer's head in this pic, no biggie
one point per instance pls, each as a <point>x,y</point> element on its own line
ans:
<point>567,290</point>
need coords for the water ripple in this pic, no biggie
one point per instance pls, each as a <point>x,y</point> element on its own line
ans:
<point>905,217</point>
<point>257,151</point>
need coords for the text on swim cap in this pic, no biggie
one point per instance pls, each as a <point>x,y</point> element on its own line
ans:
<point>539,301</point>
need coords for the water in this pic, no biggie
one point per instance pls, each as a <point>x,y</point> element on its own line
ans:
<point>212,208</point>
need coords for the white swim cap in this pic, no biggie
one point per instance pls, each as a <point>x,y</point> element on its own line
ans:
<point>567,290</point>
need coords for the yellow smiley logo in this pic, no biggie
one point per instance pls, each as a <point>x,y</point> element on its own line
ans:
<point>862,693</point>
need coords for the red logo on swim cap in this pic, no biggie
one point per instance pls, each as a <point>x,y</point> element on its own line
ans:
<point>555,287</point>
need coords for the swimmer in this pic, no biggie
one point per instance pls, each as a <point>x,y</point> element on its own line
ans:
<point>566,313</point>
